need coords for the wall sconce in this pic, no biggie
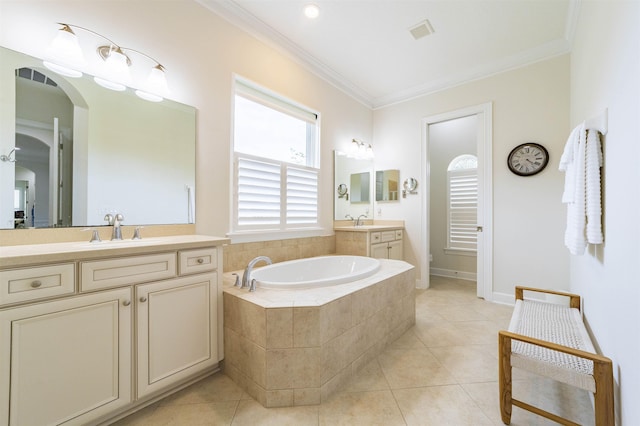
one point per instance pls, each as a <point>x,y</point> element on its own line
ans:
<point>409,185</point>
<point>66,58</point>
<point>7,158</point>
<point>360,150</point>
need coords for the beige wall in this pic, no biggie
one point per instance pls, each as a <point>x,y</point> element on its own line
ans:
<point>605,73</point>
<point>201,52</point>
<point>529,104</point>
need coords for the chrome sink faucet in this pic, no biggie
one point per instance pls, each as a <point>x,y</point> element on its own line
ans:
<point>246,277</point>
<point>348,216</point>
<point>358,221</point>
<point>115,221</point>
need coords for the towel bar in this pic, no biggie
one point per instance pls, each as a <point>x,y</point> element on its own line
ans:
<point>600,123</point>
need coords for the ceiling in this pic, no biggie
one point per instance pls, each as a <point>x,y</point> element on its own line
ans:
<point>365,48</point>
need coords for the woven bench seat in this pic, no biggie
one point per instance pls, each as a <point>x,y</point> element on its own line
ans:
<point>551,340</point>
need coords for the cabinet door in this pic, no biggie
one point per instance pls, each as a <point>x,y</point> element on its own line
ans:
<point>380,251</point>
<point>177,330</point>
<point>396,250</point>
<point>67,361</point>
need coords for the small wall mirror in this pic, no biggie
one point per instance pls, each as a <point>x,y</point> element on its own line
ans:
<point>409,187</point>
<point>387,185</point>
<point>410,184</point>
<point>343,191</point>
<point>360,187</point>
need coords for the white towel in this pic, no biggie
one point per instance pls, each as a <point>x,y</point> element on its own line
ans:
<point>568,164</point>
<point>581,163</point>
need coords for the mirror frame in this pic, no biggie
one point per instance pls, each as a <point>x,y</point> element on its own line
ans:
<point>344,166</point>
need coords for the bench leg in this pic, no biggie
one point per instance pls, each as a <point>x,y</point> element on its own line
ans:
<point>603,397</point>
<point>504,377</point>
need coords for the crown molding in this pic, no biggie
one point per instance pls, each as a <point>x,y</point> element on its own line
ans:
<point>238,16</point>
<point>522,59</point>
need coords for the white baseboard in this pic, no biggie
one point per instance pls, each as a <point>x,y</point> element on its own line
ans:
<point>504,298</point>
<point>421,285</point>
<point>449,273</point>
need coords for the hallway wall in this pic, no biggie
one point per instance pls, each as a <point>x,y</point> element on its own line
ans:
<point>605,73</point>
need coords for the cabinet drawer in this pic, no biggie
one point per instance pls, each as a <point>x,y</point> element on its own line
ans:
<point>127,270</point>
<point>376,237</point>
<point>388,236</point>
<point>19,285</point>
<point>196,261</point>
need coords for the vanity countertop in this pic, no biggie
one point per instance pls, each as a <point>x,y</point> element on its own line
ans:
<point>367,228</point>
<point>23,255</point>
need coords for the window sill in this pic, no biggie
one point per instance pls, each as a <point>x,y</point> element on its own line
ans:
<point>255,236</point>
<point>461,252</point>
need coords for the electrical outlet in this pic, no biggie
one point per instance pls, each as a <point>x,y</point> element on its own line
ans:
<point>379,211</point>
<point>430,258</point>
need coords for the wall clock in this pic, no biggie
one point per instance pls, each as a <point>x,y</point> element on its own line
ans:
<point>528,159</point>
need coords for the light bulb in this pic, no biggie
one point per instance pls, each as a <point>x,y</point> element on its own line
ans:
<point>311,11</point>
<point>65,55</point>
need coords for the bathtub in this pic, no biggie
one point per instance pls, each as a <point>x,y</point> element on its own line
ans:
<point>315,272</point>
<point>313,339</point>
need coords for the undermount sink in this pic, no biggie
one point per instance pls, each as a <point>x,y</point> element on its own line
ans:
<point>115,243</point>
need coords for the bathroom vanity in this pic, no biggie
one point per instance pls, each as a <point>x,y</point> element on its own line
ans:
<point>90,331</point>
<point>379,241</point>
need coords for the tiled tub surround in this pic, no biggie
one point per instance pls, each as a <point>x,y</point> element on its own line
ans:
<point>297,347</point>
<point>238,255</point>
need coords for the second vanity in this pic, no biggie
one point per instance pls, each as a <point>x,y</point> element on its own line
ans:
<point>384,241</point>
<point>89,332</point>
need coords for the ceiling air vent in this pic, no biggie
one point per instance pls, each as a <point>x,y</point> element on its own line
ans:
<point>421,29</point>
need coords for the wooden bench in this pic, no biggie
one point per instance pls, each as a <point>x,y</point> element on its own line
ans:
<point>550,339</point>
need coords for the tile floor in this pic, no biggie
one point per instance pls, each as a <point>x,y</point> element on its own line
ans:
<point>443,371</point>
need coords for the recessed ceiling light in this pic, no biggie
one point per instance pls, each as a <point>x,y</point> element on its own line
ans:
<point>311,11</point>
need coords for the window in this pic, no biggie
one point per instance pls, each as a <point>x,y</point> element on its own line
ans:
<point>275,144</point>
<point>462,196</point>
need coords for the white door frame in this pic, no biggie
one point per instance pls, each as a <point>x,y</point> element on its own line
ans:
<point>485,195</point>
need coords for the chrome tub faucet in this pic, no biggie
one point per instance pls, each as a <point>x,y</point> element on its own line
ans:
<point>246,277</point>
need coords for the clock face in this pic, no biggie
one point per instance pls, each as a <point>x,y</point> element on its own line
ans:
<point>528,159</point>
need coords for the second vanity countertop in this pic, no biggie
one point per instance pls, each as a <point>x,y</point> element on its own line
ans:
<point>23,255</point>
<point>387,225</point>
<point>367,228</point>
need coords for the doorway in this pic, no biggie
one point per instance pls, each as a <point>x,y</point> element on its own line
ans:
<point>480,118</point>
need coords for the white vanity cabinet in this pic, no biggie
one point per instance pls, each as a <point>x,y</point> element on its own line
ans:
<point>69,361</point>
<point>176,334</point>
<point>381,242</point>
<point>387,244</point>
<point>110,330</point>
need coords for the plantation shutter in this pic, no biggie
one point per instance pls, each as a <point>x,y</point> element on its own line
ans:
<point>302,195</point>
<point>463,203</point>
<point>274,195</point>
<point>258,193</point>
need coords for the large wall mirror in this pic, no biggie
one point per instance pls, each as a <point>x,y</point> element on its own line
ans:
<point>353,184</point>
<point>82,151</point>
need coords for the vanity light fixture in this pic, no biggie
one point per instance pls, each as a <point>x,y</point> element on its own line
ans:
<point>66,58</point>
<point>360,150</point>
<point>311,11</point>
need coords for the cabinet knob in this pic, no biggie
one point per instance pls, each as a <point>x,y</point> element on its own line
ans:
<point>143,299</point>
<point>200,260</point>
<point>36,284</point>
<point>126,303</point>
